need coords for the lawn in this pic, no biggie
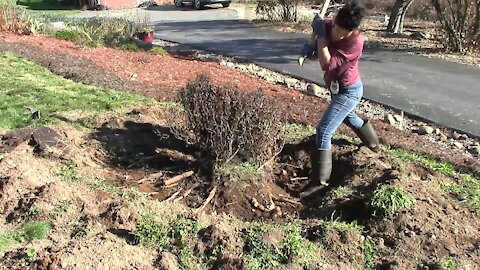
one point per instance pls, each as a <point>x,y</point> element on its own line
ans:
<point>43,6</point>
<point>24,84</point>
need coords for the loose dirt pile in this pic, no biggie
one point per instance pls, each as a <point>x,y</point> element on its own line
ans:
<point>94,222</point>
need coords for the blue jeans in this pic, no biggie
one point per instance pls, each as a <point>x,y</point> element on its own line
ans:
<point>341,109</point>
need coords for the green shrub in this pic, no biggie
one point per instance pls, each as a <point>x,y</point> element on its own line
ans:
<point>70,35</point>
<point>111,32</point>
<point>388,200</point>
<point>158,51</point>
<point>130,47</point>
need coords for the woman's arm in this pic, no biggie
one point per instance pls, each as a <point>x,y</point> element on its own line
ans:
<point>323,54</point>
<point>349,52</point>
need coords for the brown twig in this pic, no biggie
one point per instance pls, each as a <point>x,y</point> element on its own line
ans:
<point>150,177</point>
<point>177,178</point>
<point>209,198</point>
<point>187,192</point>
<point>280,198</point>
<point>299,178</point>
<point>173,196</point>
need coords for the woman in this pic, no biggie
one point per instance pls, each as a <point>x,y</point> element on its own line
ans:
<point>339,48</point>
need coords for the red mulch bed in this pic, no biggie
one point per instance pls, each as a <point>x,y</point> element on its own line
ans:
<point>162,76</point>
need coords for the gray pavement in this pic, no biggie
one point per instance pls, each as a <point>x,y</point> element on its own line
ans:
<point>439,91</point>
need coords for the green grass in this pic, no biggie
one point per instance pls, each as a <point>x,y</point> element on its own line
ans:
<point>427,162</point>
<point>447,263</point>
<point>389,200</point>
<point>466,189</point>
<point>175,234</point>
<point>370,253</point>
<point>324,227</point>
<point>338,193</point>
<point>70,173</point>
<point>32,230</point>
<point>292,132</point>
<point>292,247</point>
<point>25,84</point>
<point>238,173</point>
<point>46,7</point>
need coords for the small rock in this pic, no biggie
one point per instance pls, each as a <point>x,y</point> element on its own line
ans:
<point>409,233</point>
<point>314,89</point>
<point>443,137</point>
<point>475,150</point>
<point>463,137</point>
<point>398,118</point>
<point>290,82</point>
<point>389,119</point>
<point>454,231</point>
<point>437,131</point>
<point>133,76</point>
<point>261,73</point>
<point>424,130</point>
<point>458,145</point>
<point>230,64</point>
<point>455,135</point>
<point>433,237</point>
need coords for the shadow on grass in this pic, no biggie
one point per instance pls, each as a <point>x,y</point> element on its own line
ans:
<point>48,5</point>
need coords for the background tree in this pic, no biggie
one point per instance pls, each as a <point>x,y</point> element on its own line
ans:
<point>395,24</point>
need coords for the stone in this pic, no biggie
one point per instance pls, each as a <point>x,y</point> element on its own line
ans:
<point>314,89</point>
<point>398,117</point>
<point>437,131</point>
<point>389,119</point>
<point>458,145</point>
<point>424,130</point>
<point>230,64</point>
<point>443,137</point>
<point>455,135</point>
<point>463,137</point>
<point>475,150</point>
<point>290,82</point>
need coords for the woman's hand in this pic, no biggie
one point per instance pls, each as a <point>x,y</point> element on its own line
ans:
<point>319,28</point>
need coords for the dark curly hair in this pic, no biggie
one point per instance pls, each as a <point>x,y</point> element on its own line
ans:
<point>350,16</point>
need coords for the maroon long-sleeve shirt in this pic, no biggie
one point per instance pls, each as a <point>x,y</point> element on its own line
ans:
<point>345,55</point>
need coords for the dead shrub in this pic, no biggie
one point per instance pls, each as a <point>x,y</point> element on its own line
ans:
<point>460,21</point>
<point>13,20</point>
<point>226,122</point>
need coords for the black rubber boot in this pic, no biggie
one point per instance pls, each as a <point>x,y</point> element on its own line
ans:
<point>321,171</point>
<point>368,136</point>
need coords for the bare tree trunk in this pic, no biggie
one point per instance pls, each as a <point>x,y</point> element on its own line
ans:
<point>395,24</point>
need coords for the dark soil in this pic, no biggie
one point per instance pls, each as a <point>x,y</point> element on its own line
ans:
<point>40,139</point>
